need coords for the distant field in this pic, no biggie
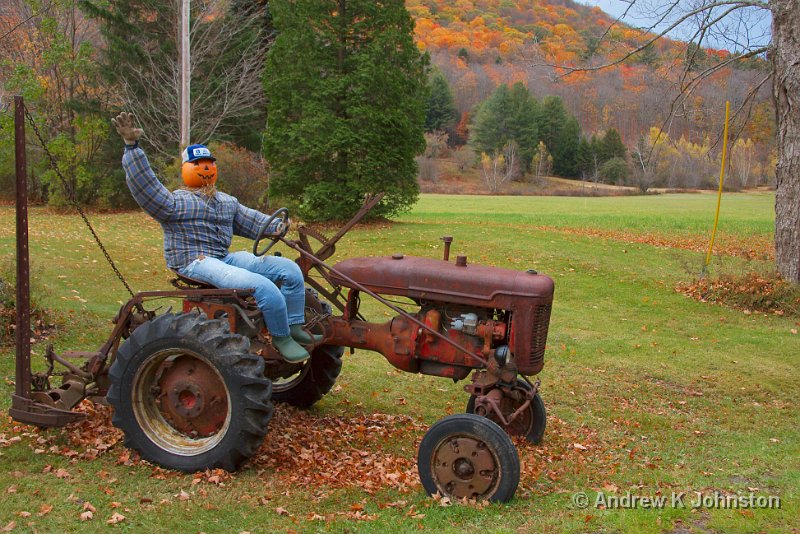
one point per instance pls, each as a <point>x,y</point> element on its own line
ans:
<point>648,392</point>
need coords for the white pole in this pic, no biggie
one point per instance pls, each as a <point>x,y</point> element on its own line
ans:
<point>185,74</point>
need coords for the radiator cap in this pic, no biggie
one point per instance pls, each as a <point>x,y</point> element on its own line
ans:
<point>397,256</point>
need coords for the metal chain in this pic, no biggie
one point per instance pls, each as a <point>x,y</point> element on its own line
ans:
<point>71,197</point>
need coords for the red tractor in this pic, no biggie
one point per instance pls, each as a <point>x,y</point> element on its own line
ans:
<point>194,389</point>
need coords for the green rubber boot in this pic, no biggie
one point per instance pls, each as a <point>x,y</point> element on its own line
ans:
<point>301,336</point>
<point>289,349</point>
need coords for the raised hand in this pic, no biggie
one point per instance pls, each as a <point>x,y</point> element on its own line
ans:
<point>124,125</point>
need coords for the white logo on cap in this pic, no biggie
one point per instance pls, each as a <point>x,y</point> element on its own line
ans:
<point>201,151</point>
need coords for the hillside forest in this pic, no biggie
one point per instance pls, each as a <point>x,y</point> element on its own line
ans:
<point>499,101</point>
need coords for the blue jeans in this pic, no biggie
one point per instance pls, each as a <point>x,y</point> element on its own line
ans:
<point>242,270</point>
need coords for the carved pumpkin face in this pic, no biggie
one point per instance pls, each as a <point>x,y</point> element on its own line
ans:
<point>199,173</point>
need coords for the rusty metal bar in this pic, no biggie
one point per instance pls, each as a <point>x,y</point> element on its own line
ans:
<point>23,332</point>
<point>328,248</point>
<point>448,240</point>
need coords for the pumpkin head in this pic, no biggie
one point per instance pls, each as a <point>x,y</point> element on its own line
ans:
<point>199,168</point>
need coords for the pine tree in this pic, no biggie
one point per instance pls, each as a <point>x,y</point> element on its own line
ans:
<point>561,134</point>
<point>441,113</point>
<point>490,130</point>
<point>583,159</point>
<point>522,123</point>
<point>551,119</point>
<point>507,115</point>
<point>612,146</point>
<point>347,90</point>
<point>565,152</point>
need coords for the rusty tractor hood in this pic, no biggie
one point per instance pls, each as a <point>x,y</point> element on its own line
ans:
<point>439,280</point>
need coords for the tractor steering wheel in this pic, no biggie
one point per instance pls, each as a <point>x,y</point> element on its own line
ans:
<point>275,236</point>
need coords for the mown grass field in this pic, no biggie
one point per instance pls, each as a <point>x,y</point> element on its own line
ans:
<point>648,392</point>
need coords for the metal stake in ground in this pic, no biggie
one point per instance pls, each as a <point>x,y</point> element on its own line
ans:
<point>23,333</point>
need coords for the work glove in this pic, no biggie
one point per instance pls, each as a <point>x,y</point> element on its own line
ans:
<point>124,125</point>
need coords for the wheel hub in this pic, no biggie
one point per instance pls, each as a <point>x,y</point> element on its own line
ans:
<point>465,467</point>
<point>193,397</point>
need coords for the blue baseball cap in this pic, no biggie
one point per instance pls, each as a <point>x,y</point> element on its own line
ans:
<point>195,152</point>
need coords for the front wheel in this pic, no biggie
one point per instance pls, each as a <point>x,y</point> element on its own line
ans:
<point>468,456</point>
<point>188,395</point>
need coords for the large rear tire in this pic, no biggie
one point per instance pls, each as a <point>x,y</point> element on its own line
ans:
<point>188,395</point>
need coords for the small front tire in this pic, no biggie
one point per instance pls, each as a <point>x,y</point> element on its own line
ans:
<point>468,456</point>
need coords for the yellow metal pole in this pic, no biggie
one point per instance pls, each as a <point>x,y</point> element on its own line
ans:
<point>721,181</point>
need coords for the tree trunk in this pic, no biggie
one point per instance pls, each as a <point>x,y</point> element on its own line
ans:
<point>786,91</point>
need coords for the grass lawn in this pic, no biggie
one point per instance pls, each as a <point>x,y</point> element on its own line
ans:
<point>649,393</point>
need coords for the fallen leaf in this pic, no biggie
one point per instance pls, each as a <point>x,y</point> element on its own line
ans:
<point>45,509</point>
<point>116,518</point>
<point>281,511</point>
<point>580,447</point>
<point>9,527</point>
<point>87,515</point>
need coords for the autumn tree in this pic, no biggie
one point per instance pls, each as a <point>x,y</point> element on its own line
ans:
<point>141,62</point>
<point>347,89</point>
<point>738,25</point>
<point>50,57</point>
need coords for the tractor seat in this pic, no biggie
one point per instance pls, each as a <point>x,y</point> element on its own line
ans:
<point>184,282</point>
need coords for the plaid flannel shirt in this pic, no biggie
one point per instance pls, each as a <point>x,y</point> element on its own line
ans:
<point>193,224</point>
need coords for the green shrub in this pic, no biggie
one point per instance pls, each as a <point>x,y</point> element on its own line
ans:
<point>615,171</point>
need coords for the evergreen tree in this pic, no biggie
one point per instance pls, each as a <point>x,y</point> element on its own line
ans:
<point>522,123</point>
<point>347,92</point>
<point>565,152</point>
<point>561,133</point>
<point>507,115</point>
<point>583,158</point>
<point>552,118</point>
<point>611,146</point>
<point>441,113</point>
<point>490,130</point>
